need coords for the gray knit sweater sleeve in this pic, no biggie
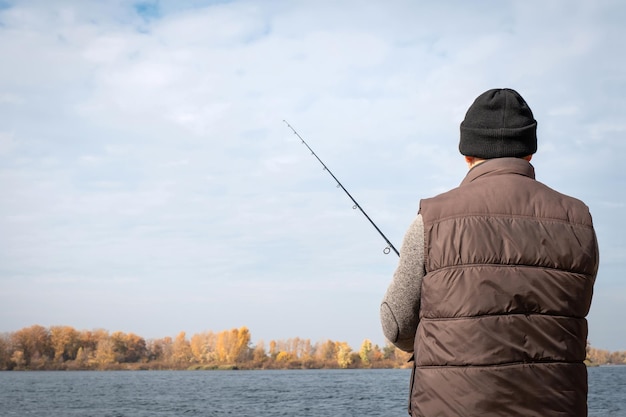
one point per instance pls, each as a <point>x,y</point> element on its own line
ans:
<point>400,306</point>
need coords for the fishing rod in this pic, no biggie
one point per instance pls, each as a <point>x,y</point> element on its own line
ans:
<point>340,185</point>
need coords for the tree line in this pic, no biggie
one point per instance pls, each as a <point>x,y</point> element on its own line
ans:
<point>65,348</point>
<point>596,357</point>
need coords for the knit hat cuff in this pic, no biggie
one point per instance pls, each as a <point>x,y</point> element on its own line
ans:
<point>498,143</point>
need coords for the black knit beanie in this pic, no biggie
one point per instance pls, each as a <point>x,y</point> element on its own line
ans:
<point>498,124</point>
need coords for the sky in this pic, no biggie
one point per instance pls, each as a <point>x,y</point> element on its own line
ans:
<point>150,184</point>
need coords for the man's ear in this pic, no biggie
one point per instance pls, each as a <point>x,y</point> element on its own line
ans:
<point>528,157</point>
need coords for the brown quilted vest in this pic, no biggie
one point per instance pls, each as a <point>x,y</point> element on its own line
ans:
<point>510,267</point>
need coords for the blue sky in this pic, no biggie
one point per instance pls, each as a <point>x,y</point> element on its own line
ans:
<point>150,185</point>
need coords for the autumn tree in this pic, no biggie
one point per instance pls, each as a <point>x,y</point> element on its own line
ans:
<point>259,356</point>
<point>306,350</point>
<point>136,348</point>
<point>65,341</point>
<point>160,350</point>
<point>283,357</point>
<point>128,347</point>
<point>181,350</point>
<point>233,346</point>
<point>5,351</point>
<point>89,339</point>
<point>298,348</point>
<point>282,348</point>
<point>365,352</point>
<point>17,359</point>
<point>344,358</point>
<point>376,355</point>
<point>118,339</point>
<point>326,352</point>
<point>82,359</point>
<point>203,347</point>
<point>104,355</point>
<point>273,349</point>
<point>241,348</point>
<point>34,344</point>
<point>389,351</point>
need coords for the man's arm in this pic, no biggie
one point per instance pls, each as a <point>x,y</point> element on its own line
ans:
<point>399,310</point>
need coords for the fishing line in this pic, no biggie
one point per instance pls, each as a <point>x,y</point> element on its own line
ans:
<point>340,185</point>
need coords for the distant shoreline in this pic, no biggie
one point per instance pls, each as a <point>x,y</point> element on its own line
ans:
<point>63,348</point>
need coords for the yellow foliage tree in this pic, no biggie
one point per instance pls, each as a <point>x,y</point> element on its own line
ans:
<point>365,352</point>
<point>34,342</point>
<point>242,343</point>
<point>203,347</point>
<point>344,357</point>
<point>65,341</point>
<point>273,348</point>
<point>181,350</point>
<point>232,346</point>
<point>283,356</point>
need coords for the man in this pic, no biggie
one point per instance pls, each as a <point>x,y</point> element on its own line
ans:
<point>495,280</point>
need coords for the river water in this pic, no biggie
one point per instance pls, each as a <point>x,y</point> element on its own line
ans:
<point>316,393</point>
